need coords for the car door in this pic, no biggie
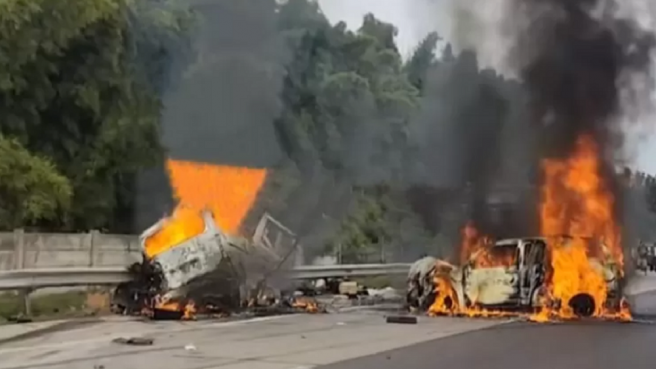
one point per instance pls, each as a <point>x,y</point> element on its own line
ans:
<point>534,269</point>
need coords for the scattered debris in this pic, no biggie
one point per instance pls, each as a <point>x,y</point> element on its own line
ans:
<point>164,314</point>
<point>19,319</point>
<point>401,319</point>
<point>349,288</point>
<point>134,341</point>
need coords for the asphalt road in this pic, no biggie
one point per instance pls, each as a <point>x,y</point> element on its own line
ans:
<point>582,345</point>
<point>353,339</point>
<point>280,342</point>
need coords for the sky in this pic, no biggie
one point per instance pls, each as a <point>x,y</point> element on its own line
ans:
<point>416,18</point>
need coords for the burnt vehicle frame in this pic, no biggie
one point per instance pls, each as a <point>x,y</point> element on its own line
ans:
<point>524,278</point>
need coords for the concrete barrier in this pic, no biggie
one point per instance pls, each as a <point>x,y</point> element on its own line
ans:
<point>640,293</point>
<point>20,250</point>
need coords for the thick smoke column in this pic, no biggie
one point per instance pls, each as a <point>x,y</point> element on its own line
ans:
<point>585,69</point>
<point>474,151</point>
<point>576,58</point>
<point>220,110</point>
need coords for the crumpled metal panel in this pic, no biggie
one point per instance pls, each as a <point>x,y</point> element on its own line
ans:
<point>194,257</point>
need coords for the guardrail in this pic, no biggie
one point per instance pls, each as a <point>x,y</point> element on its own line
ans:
<point>347,270</point>
<point>61,277</point>
<point>29,279</point>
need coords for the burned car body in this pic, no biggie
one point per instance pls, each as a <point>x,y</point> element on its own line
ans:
<point>645,256</point>
<point>187,259</point>
<point>507,274</point>
<point>180,257</point>
<point>180,263</point>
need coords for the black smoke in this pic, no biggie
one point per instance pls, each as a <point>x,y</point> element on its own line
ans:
<point>220,109</point>
<point>474,158</point>
<point>579,61</point>
<point>575,58</point>
<point>484,136</point>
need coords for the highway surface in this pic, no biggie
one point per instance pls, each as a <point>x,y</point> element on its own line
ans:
<point>281,342</point>
<point>522,345</point>
<point>356,339</point>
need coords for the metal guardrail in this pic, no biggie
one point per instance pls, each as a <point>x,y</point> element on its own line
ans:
<point>347,270</point>
<point>61,277</point>
<point>68,277</point>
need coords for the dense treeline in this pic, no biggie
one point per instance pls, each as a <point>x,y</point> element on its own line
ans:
<point>79,106</point>
<point>81,95</point>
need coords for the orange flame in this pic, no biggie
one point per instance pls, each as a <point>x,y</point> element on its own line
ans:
<point>476,249</point>
<point>576,201</point>
<point>184,224</point>
<point>446,301</point>
<point>188,309</point>
<point>307,304</point>
<point>228,191</point>
<point>471,242</point>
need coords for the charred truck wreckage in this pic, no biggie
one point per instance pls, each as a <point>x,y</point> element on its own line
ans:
<point>191,267</point>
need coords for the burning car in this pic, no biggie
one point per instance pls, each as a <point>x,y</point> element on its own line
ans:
<point>554,274</point>
<point>645,256</point>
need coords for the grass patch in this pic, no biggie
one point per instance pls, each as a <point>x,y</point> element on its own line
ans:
<point>47,306</point>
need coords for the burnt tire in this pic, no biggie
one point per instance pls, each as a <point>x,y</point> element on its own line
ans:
<point>582,304</point>
<point>427,301</point>
<point>412,298</point>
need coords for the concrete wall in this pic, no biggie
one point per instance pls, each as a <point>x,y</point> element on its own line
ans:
<point>20,250</point>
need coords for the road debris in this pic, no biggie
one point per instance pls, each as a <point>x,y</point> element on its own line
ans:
<point>134,341</point>
<point>401,319</point>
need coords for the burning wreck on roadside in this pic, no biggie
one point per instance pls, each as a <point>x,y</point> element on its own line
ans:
<point>191,268</point>
<point>574,269</point>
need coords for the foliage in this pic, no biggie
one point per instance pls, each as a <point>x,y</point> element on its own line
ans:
<point>342,90</point>
<point>72,89</point>
<point>422,60</point>
<point>364,231</point>
<point>81,85</point>
<point>31,188</point>
<point>347,106</point>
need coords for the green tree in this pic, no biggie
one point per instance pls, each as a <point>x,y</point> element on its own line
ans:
<point>347,106</point>
<point>422,60</point>
<point>364,232</point>
<point>72,89</point>
<point>31,189</point>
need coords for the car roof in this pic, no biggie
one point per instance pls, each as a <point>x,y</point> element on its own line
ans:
<point>513,241</point>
